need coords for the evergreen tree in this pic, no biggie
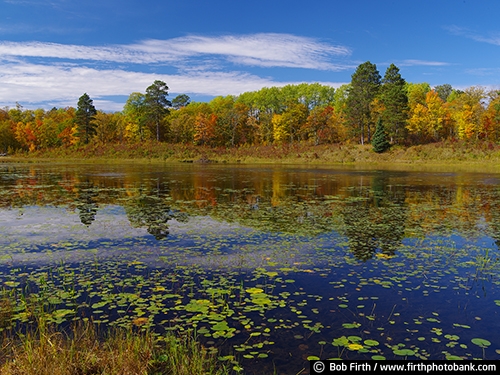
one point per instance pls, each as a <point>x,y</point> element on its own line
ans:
<point>85,114</point>
<point>157,104</point>
<point>380,143</point>
<point>394,97</point>
<point>180,101</point>
<point>365,84</point>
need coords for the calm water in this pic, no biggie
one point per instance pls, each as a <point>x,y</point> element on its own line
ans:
<point>272,265</point>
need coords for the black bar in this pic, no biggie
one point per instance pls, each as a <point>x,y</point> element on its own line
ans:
<point>407,367</point>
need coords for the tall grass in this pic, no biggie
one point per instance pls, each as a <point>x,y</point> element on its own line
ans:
<point>48,351</point>
<point>81,348</point>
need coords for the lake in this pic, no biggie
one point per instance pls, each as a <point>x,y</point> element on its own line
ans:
<point>269,265</point>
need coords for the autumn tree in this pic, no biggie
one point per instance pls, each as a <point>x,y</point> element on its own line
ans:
<point>394,98</point>
<point>134,118</point>
<point>430,120</point>
<point>317,123</point>
<point>248,99</point>
<point>231,120</point>
<point>325,124</point>
<point>280,133</point>
<point>8,141</point>
<point>65,118</point>
<point>204,125</point>
<point>268,102</point>
<point>157,104</point>
<point>106,127</point>
<point>365,86</point>
<point>491,120</point>
<point>85,114</point>
<point>287,124</point>
<point>181,125</point>
<point>24,127</point>
<point>467,110</point>
<point>49,129</point>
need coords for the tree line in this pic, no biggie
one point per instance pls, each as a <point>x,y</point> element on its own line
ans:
<point>407,113</point>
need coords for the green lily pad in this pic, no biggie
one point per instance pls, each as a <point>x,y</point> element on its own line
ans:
<point>481,342</point>
<point>404,352</point>
<point>254,290</point>
<point>220,326</point>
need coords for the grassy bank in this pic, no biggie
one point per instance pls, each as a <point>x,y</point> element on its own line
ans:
<point>42,347</point>
<point>48,351</point>
<point>443,153</point>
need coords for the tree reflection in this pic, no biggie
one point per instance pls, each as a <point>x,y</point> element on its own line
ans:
<point>375,220</point>
<point>152,213</point>
<point>86,202</point>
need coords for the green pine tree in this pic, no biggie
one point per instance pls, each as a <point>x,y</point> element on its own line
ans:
<point>380,143</point>
<point>85,115</point>
<point>365,86</point>
<point>394,97</point>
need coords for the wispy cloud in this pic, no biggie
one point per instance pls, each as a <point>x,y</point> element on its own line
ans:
<point>266,50</point>
<point>493,38</point>
<point>484,71</point>
<point>76,52</point>
<point>27,28</point>
<point>411,62</point>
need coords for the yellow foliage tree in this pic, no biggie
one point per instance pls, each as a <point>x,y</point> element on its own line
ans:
<point>491,121</point>
<point>430,120</point>
<point>287,125</point>
<point>280,132</point>
<point>467,113</point>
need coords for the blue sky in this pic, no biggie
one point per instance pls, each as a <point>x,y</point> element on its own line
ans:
<point>53,51</point>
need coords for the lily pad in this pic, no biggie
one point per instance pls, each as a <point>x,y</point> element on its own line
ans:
<point>482,343</point>
<point>404,352</point>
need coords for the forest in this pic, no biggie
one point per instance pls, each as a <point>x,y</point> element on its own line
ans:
<point>405,113</point>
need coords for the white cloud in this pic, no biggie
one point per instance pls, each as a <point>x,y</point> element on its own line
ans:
<point>277,50</point>
<point>63,83</point>
<point>262,50</point>
<point>75,52</point>
<point>53,73</point>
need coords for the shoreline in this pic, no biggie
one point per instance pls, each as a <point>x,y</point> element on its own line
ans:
<point>449,155</point>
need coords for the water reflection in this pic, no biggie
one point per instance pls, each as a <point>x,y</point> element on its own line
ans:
<point>374,210</point>
<point>377,222</point>
<point>153,213</point>
<point>86,202</point>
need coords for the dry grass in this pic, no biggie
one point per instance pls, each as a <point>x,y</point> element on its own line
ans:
<point>120,352</point>
<point>442,153</point>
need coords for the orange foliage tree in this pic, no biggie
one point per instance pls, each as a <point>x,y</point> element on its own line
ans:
<point>491,120</point>
<point>204,126</point>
